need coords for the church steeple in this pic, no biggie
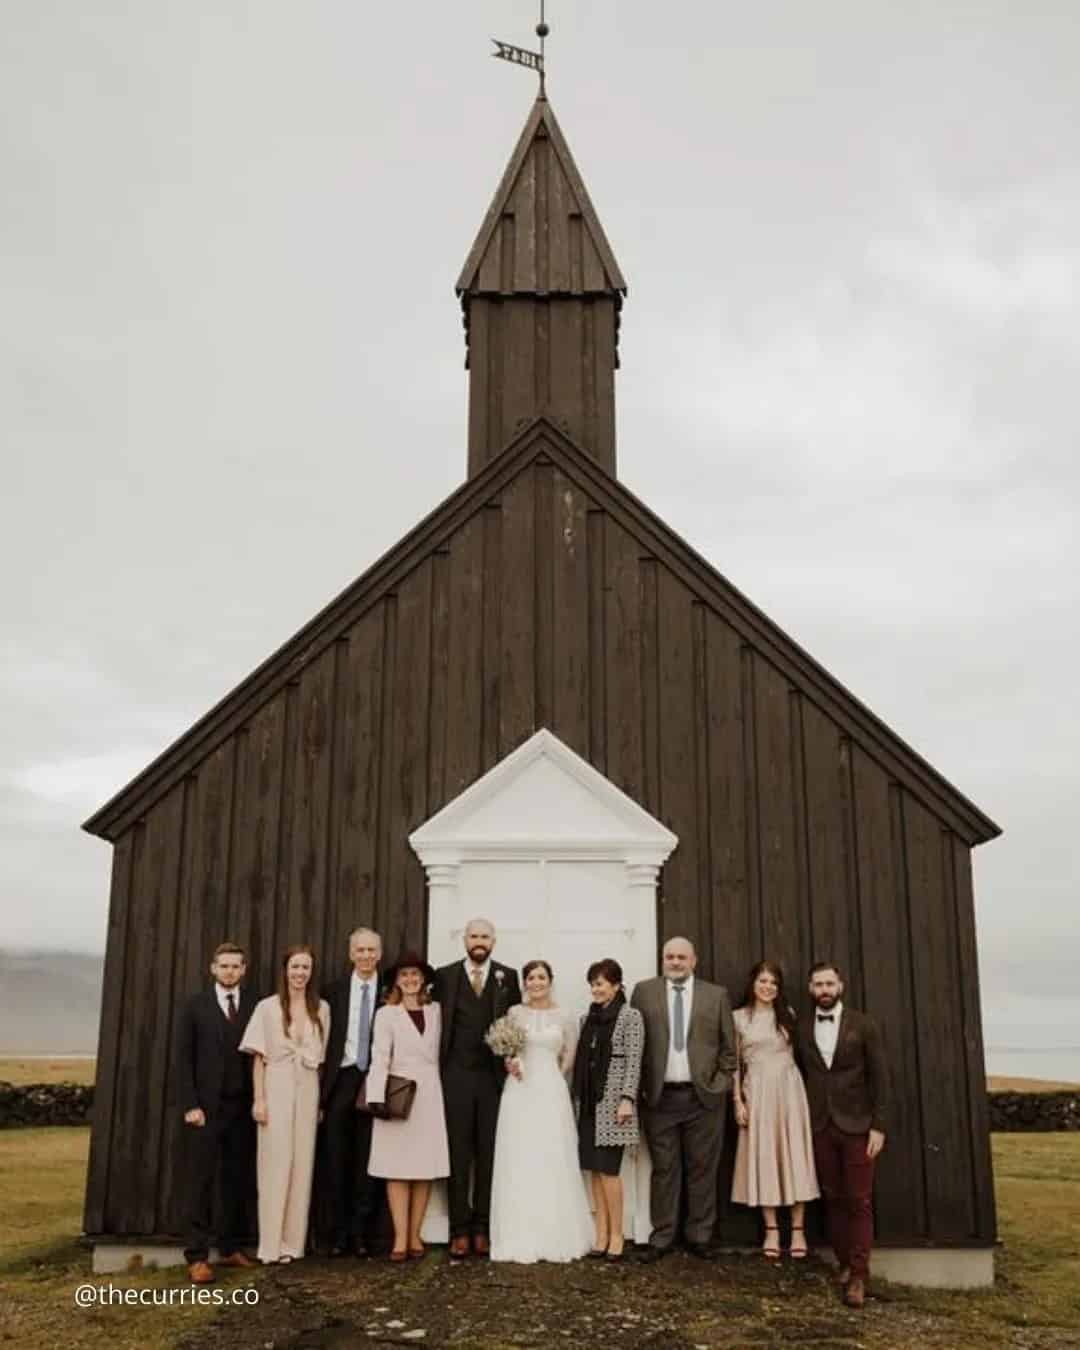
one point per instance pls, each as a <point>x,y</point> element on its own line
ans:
<point>541,294</point>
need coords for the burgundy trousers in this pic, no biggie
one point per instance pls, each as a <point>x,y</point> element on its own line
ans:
<point>846,1177</point>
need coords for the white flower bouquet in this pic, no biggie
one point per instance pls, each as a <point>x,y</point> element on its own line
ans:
<point>506,1038</point>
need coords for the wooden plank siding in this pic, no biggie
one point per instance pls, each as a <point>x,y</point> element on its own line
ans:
<point>544,608</point>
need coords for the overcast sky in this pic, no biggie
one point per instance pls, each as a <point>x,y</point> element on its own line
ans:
<point>231,369</point>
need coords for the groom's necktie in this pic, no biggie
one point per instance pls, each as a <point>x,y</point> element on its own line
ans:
<point>363,1033</point>
<point>476,979</point>
<point>230,999</point>
<point>678,1030</point>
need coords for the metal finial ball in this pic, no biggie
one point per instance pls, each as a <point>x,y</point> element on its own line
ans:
<point>542,30</point>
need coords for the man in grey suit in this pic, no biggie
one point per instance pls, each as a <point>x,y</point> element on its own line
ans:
<point>686,1074</point>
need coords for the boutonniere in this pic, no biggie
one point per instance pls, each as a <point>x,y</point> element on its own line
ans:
<point>500,976</point>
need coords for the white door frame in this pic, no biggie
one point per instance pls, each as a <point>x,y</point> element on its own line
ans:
<point>544,803</point>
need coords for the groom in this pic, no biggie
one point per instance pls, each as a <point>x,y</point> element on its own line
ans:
<point>473,993</point>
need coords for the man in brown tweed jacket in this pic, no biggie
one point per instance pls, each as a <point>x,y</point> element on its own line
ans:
<point>847,1086</point>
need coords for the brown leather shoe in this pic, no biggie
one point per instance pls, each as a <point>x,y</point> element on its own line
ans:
<point>201,1272</point>
<point>855,1293</point>
<point>459,1248</point>
<point>480,1244</point>
<point>236,1258</point>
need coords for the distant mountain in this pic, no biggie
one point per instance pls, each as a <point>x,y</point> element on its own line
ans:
<point>49,1003</point>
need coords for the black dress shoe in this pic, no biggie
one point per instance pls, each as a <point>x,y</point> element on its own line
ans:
<point>338,1249</point>
<point>651,1254</point>
<point>701,1250</point>
<point>360,1249</point>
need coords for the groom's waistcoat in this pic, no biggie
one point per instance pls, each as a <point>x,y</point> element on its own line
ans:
<point>472,1017</point>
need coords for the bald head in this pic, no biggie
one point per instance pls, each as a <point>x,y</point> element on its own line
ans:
<point>679,958</point>
<point>479,940</point>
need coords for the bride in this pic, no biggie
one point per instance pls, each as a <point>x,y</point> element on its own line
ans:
<point>539,1211</point>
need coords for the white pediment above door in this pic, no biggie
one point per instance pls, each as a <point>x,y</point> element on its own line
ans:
<point>543,797</point>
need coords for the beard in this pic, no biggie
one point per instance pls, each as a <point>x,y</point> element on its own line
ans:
<point>826,1001</point>
<point>478,955</point>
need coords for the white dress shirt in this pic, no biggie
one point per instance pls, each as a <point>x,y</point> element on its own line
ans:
<point>678,1061</point>
<point>485,971</point>
<point>223,995</point>
<point>352,1027</point>
<point>825,1033</point>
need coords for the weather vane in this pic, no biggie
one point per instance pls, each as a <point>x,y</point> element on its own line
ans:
<point>504,51</point>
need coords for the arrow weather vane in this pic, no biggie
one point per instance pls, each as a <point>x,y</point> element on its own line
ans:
<point>504,51</point>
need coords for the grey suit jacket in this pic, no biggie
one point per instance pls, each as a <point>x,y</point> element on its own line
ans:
<point>710,1040</point>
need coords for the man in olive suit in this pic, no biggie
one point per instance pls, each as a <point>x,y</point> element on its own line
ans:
<point>686,1075</point>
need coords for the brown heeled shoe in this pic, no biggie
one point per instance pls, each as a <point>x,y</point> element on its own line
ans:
<point>798,1254</point>
<point>769,1250</point>
<point>417,1253</point>
<point>396,1256</point>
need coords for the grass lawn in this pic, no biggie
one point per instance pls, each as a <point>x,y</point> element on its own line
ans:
<point>678,1305</point>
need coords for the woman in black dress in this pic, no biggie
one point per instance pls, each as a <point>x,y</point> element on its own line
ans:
<point>607,1070</point>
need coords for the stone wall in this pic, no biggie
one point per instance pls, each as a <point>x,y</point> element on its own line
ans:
<point>45,1104</point>
<point>70,1104</point>
<point>1034,1111</point>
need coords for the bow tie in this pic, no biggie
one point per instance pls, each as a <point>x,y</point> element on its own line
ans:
<point>826,1017</point>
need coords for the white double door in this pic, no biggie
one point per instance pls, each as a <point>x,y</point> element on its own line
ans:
<point>569,912</point>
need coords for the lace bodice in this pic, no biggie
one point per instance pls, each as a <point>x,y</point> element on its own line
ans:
<point>551,1034</point>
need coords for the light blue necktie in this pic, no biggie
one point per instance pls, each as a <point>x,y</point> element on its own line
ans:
<point>679,1030</point>
<point>363,1035</point>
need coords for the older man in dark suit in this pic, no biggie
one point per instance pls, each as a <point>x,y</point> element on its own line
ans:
<point>847,1086</point>
<point>686,1076</point>
<point>213,1088</point>
<point>355,1197</point>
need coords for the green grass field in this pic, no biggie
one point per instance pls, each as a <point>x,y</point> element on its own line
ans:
<point>1034,1303</point>
<point>57,1070</point>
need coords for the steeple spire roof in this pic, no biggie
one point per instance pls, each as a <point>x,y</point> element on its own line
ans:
<point>541,234</point>
<point>541,294</point>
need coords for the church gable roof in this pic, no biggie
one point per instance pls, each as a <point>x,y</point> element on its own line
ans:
<point>541,234</point>
<point>539,442</point>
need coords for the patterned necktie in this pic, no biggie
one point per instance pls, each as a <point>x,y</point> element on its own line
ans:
<point>476,979</point>
<point>363,1034</point>
<point>679,1029</point>
<point>230,999</point>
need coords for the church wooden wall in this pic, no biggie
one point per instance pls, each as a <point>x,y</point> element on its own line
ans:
<point>543,610</point>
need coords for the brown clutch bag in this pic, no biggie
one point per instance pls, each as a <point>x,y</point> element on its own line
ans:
<point>400,1095</point>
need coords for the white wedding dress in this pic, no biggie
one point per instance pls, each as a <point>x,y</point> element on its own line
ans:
<point>539,1211</point>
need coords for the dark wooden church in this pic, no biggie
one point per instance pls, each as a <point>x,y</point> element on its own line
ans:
<point>543,595</point>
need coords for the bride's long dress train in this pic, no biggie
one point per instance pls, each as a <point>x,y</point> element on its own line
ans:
<point>539,1211</point>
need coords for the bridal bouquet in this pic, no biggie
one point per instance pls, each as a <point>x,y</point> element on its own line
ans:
<point>506,1038</point>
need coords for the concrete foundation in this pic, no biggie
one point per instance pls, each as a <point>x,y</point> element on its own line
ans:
<point>923,1267</point>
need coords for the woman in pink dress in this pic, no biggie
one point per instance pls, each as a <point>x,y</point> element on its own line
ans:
<point>774,1158</point>
<point>411,1153</point>
<point>287,1035</point>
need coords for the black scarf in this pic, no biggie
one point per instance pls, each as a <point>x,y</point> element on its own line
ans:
<point>593,1056</point>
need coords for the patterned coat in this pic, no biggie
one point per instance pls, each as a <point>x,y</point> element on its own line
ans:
<point>624,1076</point>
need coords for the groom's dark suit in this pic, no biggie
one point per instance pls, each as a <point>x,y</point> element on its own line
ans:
<point>472,1082</point>
<point>214,1077</point>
